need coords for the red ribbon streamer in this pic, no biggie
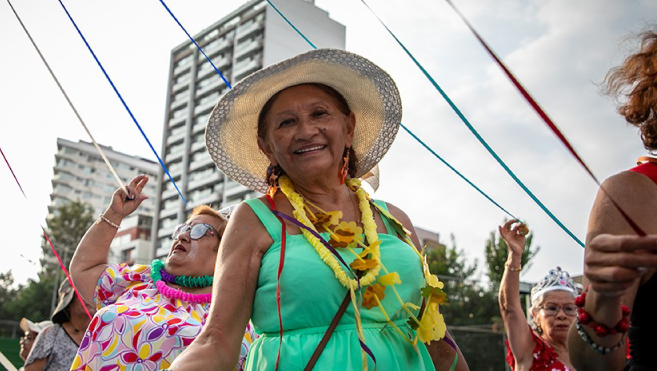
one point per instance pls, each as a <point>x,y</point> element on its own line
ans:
<point>281,262</point>
<point>545,118</point>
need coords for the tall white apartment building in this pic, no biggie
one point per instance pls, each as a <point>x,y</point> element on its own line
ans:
<point>249,38</point>
<point>80,174</point>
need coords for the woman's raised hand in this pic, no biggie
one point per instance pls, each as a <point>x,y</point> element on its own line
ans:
<point>612,264</point>
<point>513,232</point>
<point>124,204</point>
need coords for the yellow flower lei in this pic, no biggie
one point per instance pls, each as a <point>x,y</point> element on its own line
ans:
<point>367,218</point>
<point>432,326</point>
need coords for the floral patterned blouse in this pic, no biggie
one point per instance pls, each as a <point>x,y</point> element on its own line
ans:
<point>545,358</point>
<point>137,328</point>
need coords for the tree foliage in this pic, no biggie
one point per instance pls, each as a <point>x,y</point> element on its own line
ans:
<point>65,230</point>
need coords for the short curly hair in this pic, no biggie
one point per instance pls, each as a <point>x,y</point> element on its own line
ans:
<point>636,81</point>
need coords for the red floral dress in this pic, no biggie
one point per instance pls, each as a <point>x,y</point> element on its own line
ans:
<point>545,358</point>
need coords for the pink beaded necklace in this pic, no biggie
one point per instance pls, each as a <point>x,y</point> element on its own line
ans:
<point>172,293</point>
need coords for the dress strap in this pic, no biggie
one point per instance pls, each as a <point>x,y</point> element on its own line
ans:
<point>271,223</point>
<point>387,222</point>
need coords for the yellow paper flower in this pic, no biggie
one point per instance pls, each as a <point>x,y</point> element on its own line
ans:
<point>363,264</point>
<point>390,279</point>
<point>345,234</point>
<point>370,249</point>
<point>432,325</point>
<point>368,297</point>
<point>329,218</point>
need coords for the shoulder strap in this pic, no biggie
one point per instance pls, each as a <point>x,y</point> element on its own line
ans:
<point>271,223</point>
<point>387,222</point>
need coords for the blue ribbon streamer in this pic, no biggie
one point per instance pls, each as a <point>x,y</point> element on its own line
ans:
<point>123,101</point>
<point>194,41</point>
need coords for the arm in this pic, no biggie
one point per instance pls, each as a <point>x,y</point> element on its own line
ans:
<point>442,354</point>
<point>613,263</point>
<point>37,365</point>
<point>90,258</point>
<point>520,337</point>
<point>217,347</point>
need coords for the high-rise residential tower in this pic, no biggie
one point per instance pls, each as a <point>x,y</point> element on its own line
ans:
<point>249,38</point>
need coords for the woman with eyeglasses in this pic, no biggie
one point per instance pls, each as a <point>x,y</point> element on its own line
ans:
<point>147,315</point>
<point>540,345</point>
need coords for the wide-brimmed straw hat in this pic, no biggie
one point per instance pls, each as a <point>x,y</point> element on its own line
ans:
<point>231,134</point>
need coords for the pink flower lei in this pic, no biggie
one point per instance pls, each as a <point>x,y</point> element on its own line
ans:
<point>172,293</point>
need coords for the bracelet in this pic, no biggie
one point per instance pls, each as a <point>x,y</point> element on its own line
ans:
<point>596,348</point>
<point>103,218</point>
<point>512,269</point>
<point>601,330</point>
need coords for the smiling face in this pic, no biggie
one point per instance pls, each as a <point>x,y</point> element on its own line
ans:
<point>555,327</point>
<point>195,257</point>
<point>306,132</point>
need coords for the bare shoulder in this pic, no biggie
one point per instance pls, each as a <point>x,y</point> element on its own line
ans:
<point>406,222</point>
<point>627,182</point>
<point>635,193</point>
<point>400,215</point>
<point>245,230</point>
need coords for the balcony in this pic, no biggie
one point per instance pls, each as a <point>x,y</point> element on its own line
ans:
<point>247,47</point>
<point>174,156</point>
<point>215,46</point>
<point>205,107</point>
<point>212,198</point>
<point>198,145</point>
<point>165,231</point>
<point>245,67</point>
<point>198,183</point>
<point>206,69</point>
<point>175,121</point>
<point>171,211</point>
<point>176,137</point>
<point>244,30</point>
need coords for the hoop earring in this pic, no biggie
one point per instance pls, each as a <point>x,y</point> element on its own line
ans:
<point>273,173</point>
<point>344,170</point>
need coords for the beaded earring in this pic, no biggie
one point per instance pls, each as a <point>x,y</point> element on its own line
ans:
<point>344,170</point>
<point>273,172</point>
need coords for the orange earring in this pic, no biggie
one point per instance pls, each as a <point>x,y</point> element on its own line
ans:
<point>344,170</point>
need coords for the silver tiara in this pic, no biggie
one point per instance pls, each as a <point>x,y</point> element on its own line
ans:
<point>556,279</point>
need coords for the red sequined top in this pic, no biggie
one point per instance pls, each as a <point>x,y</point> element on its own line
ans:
<point>544,357</point>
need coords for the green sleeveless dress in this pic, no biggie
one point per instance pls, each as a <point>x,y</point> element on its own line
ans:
<point>310,297</point>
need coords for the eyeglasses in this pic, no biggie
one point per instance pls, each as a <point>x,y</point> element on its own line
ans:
<point>27,338</point>
<point>552,310</point>
<point>196,231</point>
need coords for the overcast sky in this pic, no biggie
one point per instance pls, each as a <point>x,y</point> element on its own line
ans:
<point>560,50</point>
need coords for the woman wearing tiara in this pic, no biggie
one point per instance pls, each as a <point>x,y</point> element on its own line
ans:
<point>541,345</point>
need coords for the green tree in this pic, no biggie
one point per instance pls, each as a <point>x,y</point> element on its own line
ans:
<point>496,253</point>
<point>471,307</point>
<point>65,230</point>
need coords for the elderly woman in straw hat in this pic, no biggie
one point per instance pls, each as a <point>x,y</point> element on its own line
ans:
<point>147,314</point>
<point>330,277</point>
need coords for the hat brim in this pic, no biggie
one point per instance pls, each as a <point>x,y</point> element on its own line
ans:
<point>231,134</point>
<point>59,315</point>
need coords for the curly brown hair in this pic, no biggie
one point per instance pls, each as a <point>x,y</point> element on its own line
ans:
<point>636,80</point>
